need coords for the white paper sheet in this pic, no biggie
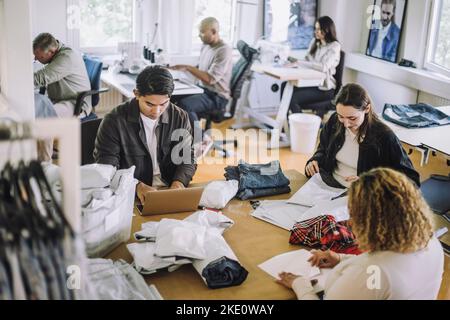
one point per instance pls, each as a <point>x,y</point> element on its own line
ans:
<point>295,262</point>
<point>337,208</point>
<point>313,191</point>
<point>279,213</point>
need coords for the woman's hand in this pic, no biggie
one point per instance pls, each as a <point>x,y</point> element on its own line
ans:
<point>142,189</point>
<point>312,168</point>
<point>351,178</point>
<point>286,279</point>
<point>324,259</point>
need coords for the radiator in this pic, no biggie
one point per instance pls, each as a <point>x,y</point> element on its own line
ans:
<point>432,99</point>
<point>108,100</point>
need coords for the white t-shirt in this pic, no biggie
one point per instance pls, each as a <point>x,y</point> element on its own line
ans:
<point>152,143</point>
<point>378,50</point>
<point>347,159</point>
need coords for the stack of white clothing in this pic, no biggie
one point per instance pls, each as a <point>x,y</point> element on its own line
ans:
<point>119,281</point>
<point>107,209</point>
<point>197,239</point>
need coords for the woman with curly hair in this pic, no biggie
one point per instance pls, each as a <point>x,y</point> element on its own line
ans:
<point>403,260</point>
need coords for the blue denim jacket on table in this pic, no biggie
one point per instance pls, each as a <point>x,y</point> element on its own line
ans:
<point>419,115</point>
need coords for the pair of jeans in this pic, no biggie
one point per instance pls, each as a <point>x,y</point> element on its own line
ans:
<point>419,115</point>
<point>200,105</point>
<point>224,272</point>
<point>257,180</point>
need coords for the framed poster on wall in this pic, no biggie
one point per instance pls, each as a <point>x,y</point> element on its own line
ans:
<point>290,21</point>
<point>386,29</point>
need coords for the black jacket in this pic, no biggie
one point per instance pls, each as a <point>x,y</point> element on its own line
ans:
<point>121,142</point>
<point>380,148</point>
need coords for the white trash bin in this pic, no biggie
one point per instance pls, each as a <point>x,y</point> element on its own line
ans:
<point>303,129</point>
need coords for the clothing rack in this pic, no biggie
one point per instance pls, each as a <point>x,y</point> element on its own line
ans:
<point>67,131</point>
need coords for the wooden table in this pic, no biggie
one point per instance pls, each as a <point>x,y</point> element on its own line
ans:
<point>252,240</point>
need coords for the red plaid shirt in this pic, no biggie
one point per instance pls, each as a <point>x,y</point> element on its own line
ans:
<point>325,233</point>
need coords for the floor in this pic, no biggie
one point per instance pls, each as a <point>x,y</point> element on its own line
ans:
<point>212,167</point>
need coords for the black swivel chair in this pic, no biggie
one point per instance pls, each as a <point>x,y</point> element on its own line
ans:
<point>321,107</point>
<point>88,134</point>
<point>241,71</point>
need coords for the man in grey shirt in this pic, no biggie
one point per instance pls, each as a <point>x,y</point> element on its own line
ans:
<point>214,72</point>
<point>64,76</point>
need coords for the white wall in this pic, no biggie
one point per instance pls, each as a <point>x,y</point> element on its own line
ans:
<point>49,16</point>
<point>16,58</point>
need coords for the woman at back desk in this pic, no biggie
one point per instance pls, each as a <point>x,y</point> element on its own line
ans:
<point>355,140</point>
<point>324,54</point>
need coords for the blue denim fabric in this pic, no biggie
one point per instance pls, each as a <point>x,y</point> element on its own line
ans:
<point>48,268</point>
<point>257,176</point>
<point>224,272</point>
<point>418,115</point>
<point>264,192</point>
<point>33,279</point>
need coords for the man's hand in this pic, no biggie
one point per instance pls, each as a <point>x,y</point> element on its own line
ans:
<point>177,185</point>
<point>181,67</point>
<point>142,189</point>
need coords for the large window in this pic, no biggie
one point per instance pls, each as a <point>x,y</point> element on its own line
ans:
<point>438,54</point>
<point>104,23</point>
<point>223,11</point>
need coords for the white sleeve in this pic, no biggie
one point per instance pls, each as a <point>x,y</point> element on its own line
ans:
<point>329,60</point>
<point>303,289</point>
<point>356,283</point>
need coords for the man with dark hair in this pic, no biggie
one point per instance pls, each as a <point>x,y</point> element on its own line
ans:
<point>383,42</point>
<point>150,133</point>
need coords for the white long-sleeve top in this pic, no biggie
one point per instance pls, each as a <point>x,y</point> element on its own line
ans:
<point>325,59</point>
<point>416,276</point>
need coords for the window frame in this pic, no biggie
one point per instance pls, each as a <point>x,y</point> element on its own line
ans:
<point>196,47</point>
<point>434,23</point>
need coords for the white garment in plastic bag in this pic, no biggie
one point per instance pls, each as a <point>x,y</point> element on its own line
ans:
<point>218,252</point>
<point>218,193</point>
<point>180,238</point>
<point>107,223</point>
<point>145,260</point>
<point>96,175</point>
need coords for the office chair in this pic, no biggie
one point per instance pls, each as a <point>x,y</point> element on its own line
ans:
<point>89,130</point>
<point>241,71</point>
<point>321,107</point>
<point>94,70</point>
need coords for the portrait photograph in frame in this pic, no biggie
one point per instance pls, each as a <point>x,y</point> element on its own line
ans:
<point>386,29</point>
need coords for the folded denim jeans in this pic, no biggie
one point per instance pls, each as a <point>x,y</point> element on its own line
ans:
<point>264,192</point>
<point>257,176</point>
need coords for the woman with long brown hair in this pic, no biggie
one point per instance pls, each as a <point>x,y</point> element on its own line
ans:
<point>324,54</point>
<point>403,259</point>
<point>354,140</point>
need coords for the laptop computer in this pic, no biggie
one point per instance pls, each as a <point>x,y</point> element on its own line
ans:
<point>171,201</point>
